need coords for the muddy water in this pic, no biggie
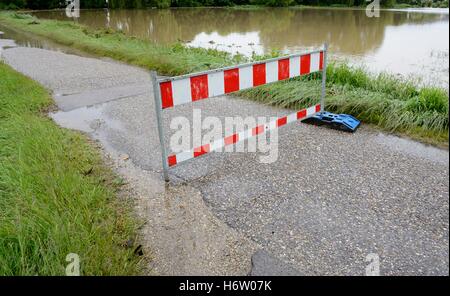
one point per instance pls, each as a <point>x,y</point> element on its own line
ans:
<point>29,40</point>
<point>412,43</point>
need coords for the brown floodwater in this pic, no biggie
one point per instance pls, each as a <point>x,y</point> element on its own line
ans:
<point>412,43</point>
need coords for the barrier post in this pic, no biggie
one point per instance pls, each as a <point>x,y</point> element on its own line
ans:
<point>324,77</point>
<point>158,110</point>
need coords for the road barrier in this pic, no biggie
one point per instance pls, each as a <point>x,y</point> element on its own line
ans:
<point>173,91</point>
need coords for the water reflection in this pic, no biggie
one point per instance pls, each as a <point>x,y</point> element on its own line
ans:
<point>243,43</point>
<point>350,33</point>
<point>30,40</point>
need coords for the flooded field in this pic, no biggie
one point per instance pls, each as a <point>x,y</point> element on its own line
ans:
<point>412,43</point>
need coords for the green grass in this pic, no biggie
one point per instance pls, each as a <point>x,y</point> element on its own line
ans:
<point>171,59</point>
<point>404,5</point>
<point>384,101</point>
<point>56,195</point>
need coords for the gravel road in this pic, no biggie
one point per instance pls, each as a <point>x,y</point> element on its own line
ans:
<point>330,200</point>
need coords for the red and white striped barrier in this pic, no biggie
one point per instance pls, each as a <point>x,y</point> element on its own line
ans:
<point>190,88</point>
<point>173,91</point>
<point>175,159</point>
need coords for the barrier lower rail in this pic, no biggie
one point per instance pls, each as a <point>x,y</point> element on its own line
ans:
<point>175,159</point>
<point>173,91</point>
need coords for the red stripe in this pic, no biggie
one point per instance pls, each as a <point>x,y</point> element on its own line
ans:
<point>317,108</point>
<point>281,121</point>
<point>259,74</point>
<point>305,64</point>
<point>321,61</point>
<point>201,150</point>
<point>172,160</point>
<point>301,114</point>
<point>199,87</point>
<point>166,94</point>
<point>231,139</point>
<point>231,80</point>
<point>283,69</point>
<point>257,130</point>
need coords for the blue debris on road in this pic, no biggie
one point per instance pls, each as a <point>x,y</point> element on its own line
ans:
<point>342,122</point>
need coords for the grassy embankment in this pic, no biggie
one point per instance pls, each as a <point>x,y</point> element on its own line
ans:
<point>56,195</point>
<point>384,101</point>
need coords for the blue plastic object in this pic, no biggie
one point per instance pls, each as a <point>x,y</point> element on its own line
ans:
<point>342,122</point>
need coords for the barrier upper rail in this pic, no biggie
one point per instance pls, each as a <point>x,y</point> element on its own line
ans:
<point>193,87</point>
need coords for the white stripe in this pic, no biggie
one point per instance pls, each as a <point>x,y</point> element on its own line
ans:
<point>294,67</point>
<point>181,90</point>
<point>185,155</point>
<point>249,133</point>
<point>217,144</point>
<point>215,84</point>
<point>246,134</point>
<point>315,62</point>
<point>272,124</point>
<point>271,71</point>
<point>243,135</point>
<point>311,111</point>
<point>246,77</point>
<point>292,117</point>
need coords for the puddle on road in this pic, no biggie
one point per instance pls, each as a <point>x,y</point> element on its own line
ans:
<point>25,39</point>
<point>179,230</point>
<point>7,43</point>
<point>79,119</point>
<point>87,119</point>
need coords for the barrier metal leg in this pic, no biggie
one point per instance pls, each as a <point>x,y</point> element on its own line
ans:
<point>343,122</point>
<point>324,77</point>
<point>158,109</point>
